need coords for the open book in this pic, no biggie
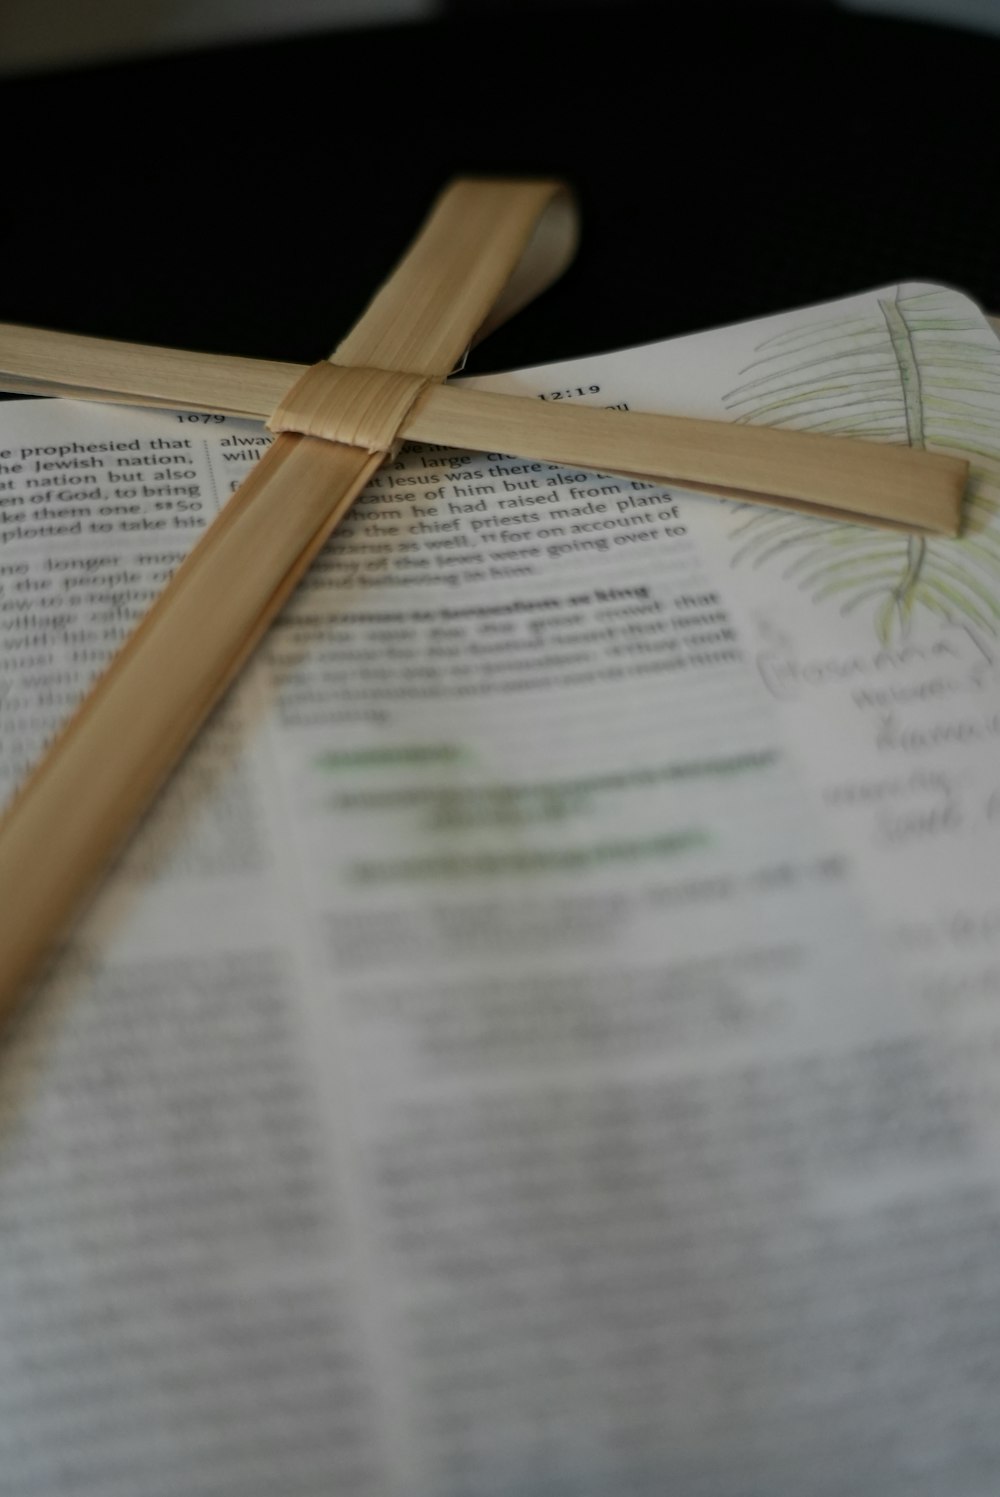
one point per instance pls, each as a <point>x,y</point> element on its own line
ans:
<point>545,1040</point>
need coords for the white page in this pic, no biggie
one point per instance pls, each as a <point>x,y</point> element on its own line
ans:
<point>892,719</point>
<point>498,1065</point>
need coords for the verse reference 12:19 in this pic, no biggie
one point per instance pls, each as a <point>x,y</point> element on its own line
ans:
<point>569,394</point>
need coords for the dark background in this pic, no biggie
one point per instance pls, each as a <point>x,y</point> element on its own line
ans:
<point>729,162</point>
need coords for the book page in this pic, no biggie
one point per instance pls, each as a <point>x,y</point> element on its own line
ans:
<point>541,1040</point>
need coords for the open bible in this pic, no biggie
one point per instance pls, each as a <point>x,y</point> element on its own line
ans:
<point>545,1038</point>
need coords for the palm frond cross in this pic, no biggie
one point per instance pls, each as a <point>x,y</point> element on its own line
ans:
<point>486,249</point>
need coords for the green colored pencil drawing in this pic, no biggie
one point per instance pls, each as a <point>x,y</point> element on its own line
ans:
<point>922,369</point>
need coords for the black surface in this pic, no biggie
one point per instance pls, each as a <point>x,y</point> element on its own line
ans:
<point>754,158</point>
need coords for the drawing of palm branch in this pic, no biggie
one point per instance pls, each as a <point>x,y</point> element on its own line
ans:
<point>922,369</point>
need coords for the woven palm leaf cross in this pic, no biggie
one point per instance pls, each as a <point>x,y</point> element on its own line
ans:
<point>486,249</point>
